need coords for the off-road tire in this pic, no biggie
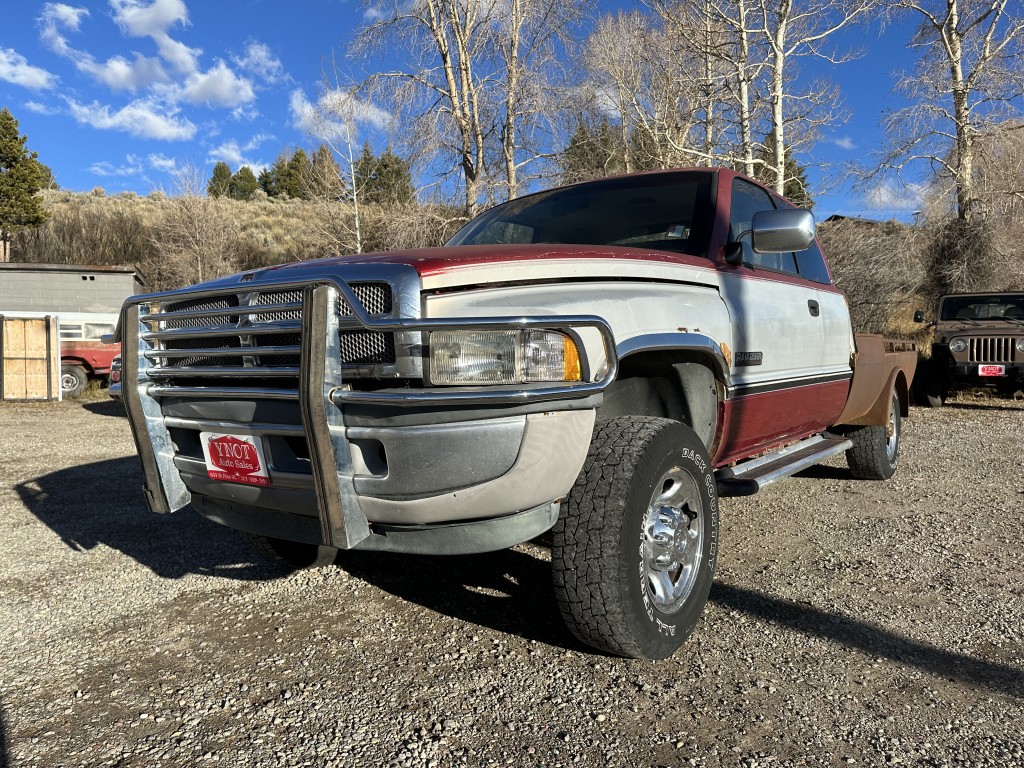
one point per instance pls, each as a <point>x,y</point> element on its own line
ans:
<point>73,381</point>
<point>874,456</point>
<point>292,555</point>
<point>600,579</point>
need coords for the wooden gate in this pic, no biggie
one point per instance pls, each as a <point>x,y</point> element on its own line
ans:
<point>29,358</point>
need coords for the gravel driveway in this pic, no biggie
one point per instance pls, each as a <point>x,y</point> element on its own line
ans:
<point>852,623</point>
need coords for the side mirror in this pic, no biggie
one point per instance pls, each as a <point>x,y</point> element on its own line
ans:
<point>782,231</point>
<point>734,254</point>
<point>919,316</point>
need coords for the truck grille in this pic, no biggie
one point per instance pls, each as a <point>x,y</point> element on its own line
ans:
<point>204,338</point>
<point>992,349</point>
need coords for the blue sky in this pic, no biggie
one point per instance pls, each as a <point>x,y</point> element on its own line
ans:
<point>119,93</point>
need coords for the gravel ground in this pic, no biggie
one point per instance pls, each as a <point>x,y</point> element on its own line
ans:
<point>852,623</point>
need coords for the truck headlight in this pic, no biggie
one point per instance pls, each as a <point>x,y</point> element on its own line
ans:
<point>502,357</point>
<point>1020,344</point>
<point>957,345</point>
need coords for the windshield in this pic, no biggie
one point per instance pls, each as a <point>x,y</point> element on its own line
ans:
<point>995,307</point>
<point>665,212</point>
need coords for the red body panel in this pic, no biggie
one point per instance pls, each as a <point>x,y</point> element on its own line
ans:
<point>95,356</point>
<point>752,424</point>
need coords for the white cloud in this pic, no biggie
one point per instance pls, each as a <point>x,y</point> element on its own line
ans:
<point>132,167</point>
<point>228,152</point>
<point>177,54</point>
<point>218,87</point>
<point>372,14</point>
<point>163,163</point>
<point>117,73</point>
<point>41,109</point>
<point>257,140</point>
<point>259,61</point>
<point>302,111</point>
<point>895,197</point>
<point>328,117</point>
<point>234,154</point>
<point>844,142</point>
<point>139,19</point>
<point>14,68</point>
<point>140,119</point>
<point>52,19</point>
<point>246,112</point>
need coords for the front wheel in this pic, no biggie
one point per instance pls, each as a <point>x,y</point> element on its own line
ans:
<point>876,449</point>
<point>292,555</point>
<point>633,553</point>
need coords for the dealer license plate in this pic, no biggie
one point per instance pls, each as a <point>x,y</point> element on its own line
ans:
<point>991,370</point>
<point>234,458</point>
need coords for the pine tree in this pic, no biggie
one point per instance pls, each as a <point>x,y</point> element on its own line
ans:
<point>365,170</point>
<point>592,153</point>
<point>296,175</point>
<point>243,184</point>
<point>393,180</point>
<point>220,181</point>
<point>325,181</point>
<point>268,181</point>
<point>385,180</point>
<point>21,179</point>
<point>795,189</point>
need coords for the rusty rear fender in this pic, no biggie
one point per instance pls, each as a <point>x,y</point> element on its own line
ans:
<point>880,366</point>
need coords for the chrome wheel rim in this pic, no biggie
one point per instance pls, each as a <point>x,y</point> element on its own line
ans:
<point>68,383</point>
<point>892,436</point>
<point>672,541</point>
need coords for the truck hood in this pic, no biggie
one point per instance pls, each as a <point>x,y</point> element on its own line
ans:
<point>459,265</point>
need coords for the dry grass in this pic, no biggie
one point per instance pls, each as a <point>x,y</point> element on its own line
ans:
<point>180,240</point>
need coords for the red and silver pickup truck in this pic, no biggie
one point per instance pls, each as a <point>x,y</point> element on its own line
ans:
<point>603,360</point>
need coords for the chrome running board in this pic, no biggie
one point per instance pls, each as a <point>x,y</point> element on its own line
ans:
<point>748,477</point>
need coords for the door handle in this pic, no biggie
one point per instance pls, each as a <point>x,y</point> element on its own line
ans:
<point>813,308</point>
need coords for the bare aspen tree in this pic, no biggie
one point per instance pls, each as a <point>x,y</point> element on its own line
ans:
<point>791,30</point>
<point>335,123</point>
<point>969,79</point>
<point>613,58</point>
<point>443,83</point>
<point>528,32</point>
<point>639,74</point>
<point>720,33</point>
<point>196,233</point>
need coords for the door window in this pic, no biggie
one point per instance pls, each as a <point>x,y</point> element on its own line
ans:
<point>747,200</point>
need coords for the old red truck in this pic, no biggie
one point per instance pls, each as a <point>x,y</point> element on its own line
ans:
<point>604,361</point>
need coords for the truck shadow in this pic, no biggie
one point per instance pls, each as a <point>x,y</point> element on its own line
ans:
<point>3,739</point>
<point>108,407</point>
<point>872,640</point>
<point>102,503</point>
<point>508,591</point>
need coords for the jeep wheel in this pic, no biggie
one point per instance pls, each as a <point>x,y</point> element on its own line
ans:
<point>634,550</point>
<point>73,380</point>
<point>876,449</point>
<point>293,555</point>
<point>929,390</point>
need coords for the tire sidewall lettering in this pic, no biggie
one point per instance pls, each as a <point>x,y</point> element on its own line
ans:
<point>664,624</point>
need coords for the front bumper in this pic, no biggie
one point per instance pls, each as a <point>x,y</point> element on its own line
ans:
<point>470,456</point>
